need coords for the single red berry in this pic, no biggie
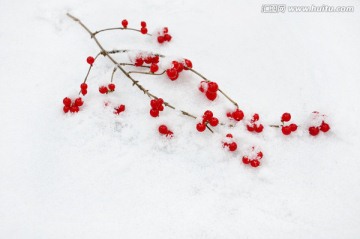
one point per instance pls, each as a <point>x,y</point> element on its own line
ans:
<point>143,24</point>
<point>260,155</point>
<point>111,87</point>
<point>66,109</point>
<point>148,60</point>
<point>258,128</point>
<point>237,115</point>
<point>208,115</point>
<point>213,87</point>
<point>154,68</point>
<point>119,109</point>
<point>229,114</point>
<point>188,63</point>
<point>74,109</point>
<point>160,39</point>
<point>200,127</point>
<point>286,117</point>
<point>286,130</point>
<point>143,30</point>
<point>83,91</point>
<point>172,73</point>
<point>324,127</point>
<point>314,130</point>
<point>155,59</point>
<point>160,100</point>
<point>245,160</point>
<point>293,127</point>
<point>163,129</point>
<point>139,61</point>
<point>229,135</point>
<point>154,112</point>
<point>103,90</point>
<point>250,128</point>
<point>232,146</point>
<point>83,86</point>
<point>90,60</point>
<point>165,30</point>
<point>211,95</point>
<point>124,23</point>
<point>161,108</point>
<point>255,163</point>
<point>255,117</point>
<point>154,104</point>
<point>214,121</point>
<point>167,37</point>
<point>67,101</point>
<point>79,102</point>
<point>201,86</point>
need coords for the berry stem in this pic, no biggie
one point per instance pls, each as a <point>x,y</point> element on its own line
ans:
<point>135,82</point>
<point>117,28</point>
<point>146,73</point>
<point>113,73</point>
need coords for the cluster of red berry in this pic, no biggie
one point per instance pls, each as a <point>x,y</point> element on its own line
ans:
<point>208,118</point>
<point>253,158</point>
<point>253,125</point>
<point>143,29</point>
<point>164,36</point>
<point>177,67</point>
<point>83,88</point>
<point>237,115</point>
<point>156,107</point>
<point>230,143</point>
<point>108,89</point>
<point>119,109</point>
<point>163,129</point>
<point>147,59</point>
<point>318,124</point>
<point>209,88</point>
<point>70,106</point>
<point>287,129</point>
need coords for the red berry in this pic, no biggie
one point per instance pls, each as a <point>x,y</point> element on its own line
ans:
<point>188,63</point>
<point>154,112</point>
<point>286,117</point>
<point>67,101</point>
<point>155,59</point>
<point>66,109</point>
<point>83,91</point>
<point>148,60</point>
<point>90,60</point>
<point>167,37</point>
<point>160,39</point>
<point>214,122</point>
<point>259,155</point>
<point>103,90</point>
<point>155,104</point>
<point>83,86</point>
<point>111,87</point>
<point>258,128</point>
<point>208,115</point>
<point>286,130</point>
<point>255,117</point>
<point>293,127</point>
<point>229,135</point>
<point>154,68</point>
<point>74,109</point>
<point>245,160</point>
<point>201,86</point>
<point>229,114</point>
<point>143,30</point>
<point>165,30</point>
<point>172,73</point>
<point>119,109</point>
<point>200,127</point>
<point>160,100</point>
<point>211,95</point>
<point>163,129</point>
<point>139,61</point>
<point>232,146</point>
<point>324,127</point>
<point>255,163</point>
<point>213,87</point>
<point>124,23</point>
<point>314,130</point>
<point>178,66</point>
<point>169,134</point>
<point>78,102</point>
<point>250,128</point>
<point>237,115</point>
<point>143,24</point>
<point>161,108</point>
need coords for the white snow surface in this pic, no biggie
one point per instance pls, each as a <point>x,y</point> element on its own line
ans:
<point>98,175</point>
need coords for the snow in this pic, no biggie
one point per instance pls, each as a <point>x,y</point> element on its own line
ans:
<point>100,175</point>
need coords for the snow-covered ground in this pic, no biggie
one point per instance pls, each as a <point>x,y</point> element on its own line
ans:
<point>98,175</point>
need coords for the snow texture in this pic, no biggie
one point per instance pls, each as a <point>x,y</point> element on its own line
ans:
<point>100,175</point>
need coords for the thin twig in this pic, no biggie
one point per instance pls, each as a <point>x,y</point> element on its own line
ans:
<point>146,73</point>
<point>119,28</point>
